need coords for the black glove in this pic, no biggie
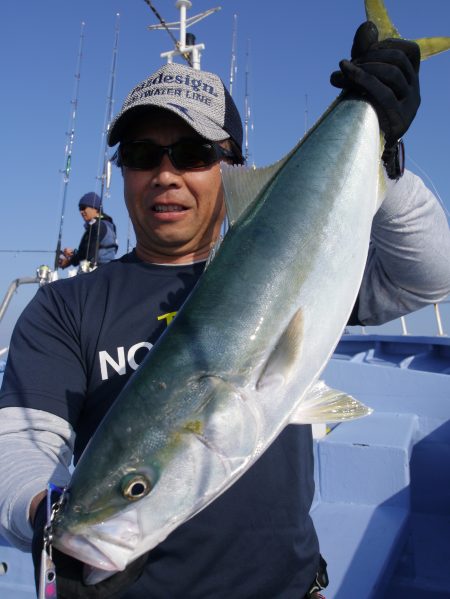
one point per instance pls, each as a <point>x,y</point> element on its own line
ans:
<point>387,74</point>
<point>69,571</point>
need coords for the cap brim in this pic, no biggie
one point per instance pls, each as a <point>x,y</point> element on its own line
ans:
<point>203,125</point>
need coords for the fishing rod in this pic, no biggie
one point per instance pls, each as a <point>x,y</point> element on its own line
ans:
<point>233,65</point>
<point>69,145</point>
<point>233,71</point>
<point>105,177</point>
<point>248,123</point>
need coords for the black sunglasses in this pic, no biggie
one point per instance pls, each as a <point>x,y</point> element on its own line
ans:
<point>185,154</point>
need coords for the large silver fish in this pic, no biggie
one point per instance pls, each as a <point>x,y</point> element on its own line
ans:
<point>242,358</point>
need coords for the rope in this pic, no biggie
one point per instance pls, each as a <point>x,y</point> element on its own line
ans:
<point>28,251</point>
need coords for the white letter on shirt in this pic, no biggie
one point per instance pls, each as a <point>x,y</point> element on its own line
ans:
<point>105,359</point>
<point>132,352</point>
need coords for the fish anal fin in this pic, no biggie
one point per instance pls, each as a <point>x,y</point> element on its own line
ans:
<point>278,368</point>
<point>323,404</point>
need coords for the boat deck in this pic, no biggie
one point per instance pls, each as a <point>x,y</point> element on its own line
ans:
<point>382,505</point>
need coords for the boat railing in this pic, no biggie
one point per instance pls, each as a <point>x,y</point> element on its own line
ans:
<point>438,320</point>
<point>12,289</point>
<point>43,275</point>
<point>437,314</point>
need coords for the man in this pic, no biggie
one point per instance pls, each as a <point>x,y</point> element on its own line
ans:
<point>98,244</point>
<point>79,340</point>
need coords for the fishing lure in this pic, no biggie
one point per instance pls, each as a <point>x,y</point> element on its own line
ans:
<point>47,574</point>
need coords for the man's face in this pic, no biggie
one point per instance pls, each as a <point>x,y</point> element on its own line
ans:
<point>176,214</point>
<point>88,213</point>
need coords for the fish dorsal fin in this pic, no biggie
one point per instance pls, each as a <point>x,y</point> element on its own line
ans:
<point>242,185</point>
<point>377,13</point>
<point>322,404</point>
<point>278,368</point>
<point>213,251</point>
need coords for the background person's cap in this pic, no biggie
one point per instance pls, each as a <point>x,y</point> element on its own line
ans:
<point>198,97</point>
<point>90,199</point>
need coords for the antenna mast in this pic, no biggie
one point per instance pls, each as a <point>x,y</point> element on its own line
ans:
<point>186,46</point>
<point>69,145</point>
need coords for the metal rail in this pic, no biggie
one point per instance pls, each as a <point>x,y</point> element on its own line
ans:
<point>11,289</point>
<point>43,276</point>
<point>403,322</point>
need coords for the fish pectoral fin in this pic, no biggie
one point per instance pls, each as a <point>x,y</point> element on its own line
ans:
<point>242,185</point>
<point>278,368</point>
<point>322,404</point>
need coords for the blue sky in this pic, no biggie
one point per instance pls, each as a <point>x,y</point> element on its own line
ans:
<point>294,46</point>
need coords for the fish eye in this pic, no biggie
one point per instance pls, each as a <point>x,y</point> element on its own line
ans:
<point>135,486</point>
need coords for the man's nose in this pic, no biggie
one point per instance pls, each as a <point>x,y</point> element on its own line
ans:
<point>165,173</point>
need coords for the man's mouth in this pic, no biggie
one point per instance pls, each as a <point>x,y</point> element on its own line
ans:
<point>168,208</point>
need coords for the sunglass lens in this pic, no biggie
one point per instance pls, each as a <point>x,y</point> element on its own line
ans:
<point>140,155</point>
<point>185,154</point>
<point>188,154</point>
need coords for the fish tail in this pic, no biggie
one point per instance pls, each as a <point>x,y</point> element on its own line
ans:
<point>377,13</point>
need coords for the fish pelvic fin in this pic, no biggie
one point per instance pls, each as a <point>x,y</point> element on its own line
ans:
<point>278,367</point>
<point>377,13</point>
<point>322,404</point>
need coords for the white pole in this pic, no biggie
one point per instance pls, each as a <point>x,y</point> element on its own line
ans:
<point>439,321</point>
<point>183,5</point>
<point>195,54</point>
<point>404,329</point>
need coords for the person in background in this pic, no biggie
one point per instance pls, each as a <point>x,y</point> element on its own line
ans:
<point>98,244</point>
<point>257,540</point>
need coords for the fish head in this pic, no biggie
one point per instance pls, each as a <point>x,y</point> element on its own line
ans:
<point>103,501</point>
<point>130,490</point>
<point>100,525</point>
<point>100,519</point>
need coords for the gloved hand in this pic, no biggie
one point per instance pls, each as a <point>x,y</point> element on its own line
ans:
<point>387,74</point>
<point>69,571</point>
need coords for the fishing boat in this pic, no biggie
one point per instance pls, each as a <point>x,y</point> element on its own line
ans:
<point>382,502</point>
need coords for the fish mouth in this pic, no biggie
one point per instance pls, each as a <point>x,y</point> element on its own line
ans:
<point>108,545</point>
